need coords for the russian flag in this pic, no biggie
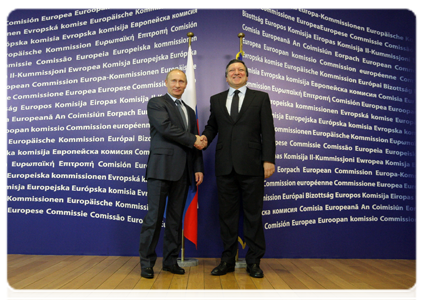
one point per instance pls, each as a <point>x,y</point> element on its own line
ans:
<point>190,222</point>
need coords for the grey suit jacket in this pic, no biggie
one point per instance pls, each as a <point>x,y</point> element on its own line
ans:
<point>246,143</point>
<point>171,146</point>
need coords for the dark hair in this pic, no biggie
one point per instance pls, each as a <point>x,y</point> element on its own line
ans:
<point>232,62</point>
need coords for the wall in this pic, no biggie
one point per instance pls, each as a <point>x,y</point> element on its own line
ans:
<point>342,86</point>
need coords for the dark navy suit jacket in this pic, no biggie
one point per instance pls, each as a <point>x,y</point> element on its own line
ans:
<point>171,146</point>
<point>246,143</point>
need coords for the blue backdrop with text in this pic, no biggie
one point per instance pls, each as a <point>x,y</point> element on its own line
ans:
<point>343,91</point>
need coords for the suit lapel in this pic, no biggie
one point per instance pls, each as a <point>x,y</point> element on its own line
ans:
<point>174,112</point>
<point>222,104</point>
<point>248,99</point>
<point>189,120</point>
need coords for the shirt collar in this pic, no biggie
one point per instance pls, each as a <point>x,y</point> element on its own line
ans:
<point>243,90</point>
<point>173,98</point>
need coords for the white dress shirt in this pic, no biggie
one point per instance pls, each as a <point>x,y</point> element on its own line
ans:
<point>241,96</point>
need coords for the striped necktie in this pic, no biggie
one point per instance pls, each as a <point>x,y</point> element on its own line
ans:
<point>179,105</point>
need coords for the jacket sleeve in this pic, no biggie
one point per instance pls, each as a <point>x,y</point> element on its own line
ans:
<point>160,119</point>
<point>211,129</point>
<point>198,161</point>
<point>268,131</point>
<point>197,154</point>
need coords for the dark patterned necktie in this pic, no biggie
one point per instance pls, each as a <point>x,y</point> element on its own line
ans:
<point>179,105</point>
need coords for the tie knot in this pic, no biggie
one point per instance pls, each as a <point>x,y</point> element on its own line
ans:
<point>177,101</point>
<point>236,92</point>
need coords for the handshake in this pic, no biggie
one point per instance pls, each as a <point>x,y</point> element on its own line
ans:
<point>201,142</point>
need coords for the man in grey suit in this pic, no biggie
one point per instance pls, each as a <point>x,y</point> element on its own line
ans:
<point>174,162</point>
<point>245,156</point>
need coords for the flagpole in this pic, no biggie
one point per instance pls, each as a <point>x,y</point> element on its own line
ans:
<point>189,262</point>
<point>183,247</point>
<point>240,263</point>
<point>241,36</point>
<point>190,35</point>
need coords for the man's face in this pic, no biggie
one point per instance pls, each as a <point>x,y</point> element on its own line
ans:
<point>236,75</point>
<point>176,83</point>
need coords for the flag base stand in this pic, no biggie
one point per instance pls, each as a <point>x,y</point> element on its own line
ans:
<point>240,263</point>
<point>183,261</point>
<point>188,262</point>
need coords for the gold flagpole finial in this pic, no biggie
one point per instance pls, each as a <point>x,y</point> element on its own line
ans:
<point>241,36</point>
<point>190,35</point>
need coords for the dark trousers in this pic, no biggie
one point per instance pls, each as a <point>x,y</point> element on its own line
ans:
<point>232,189</point>
<point>158,190</point>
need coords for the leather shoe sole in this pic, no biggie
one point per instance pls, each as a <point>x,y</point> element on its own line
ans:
<point>147,273</point>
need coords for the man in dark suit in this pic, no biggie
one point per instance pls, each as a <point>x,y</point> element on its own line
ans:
<point>245,156</point>
<point>172,164</point>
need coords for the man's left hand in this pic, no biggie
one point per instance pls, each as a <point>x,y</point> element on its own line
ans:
<point>199,178</point>
<point>269,169</point>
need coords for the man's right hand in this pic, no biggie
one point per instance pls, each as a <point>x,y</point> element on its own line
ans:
<point>201,142</point>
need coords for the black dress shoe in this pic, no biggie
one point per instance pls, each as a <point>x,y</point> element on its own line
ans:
<point>147,273</point>
<point>222,269</point>
<point>175,269</point>
<point>255,271</point>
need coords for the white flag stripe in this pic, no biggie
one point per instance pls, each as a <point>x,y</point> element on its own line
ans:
<point>190,96</point>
